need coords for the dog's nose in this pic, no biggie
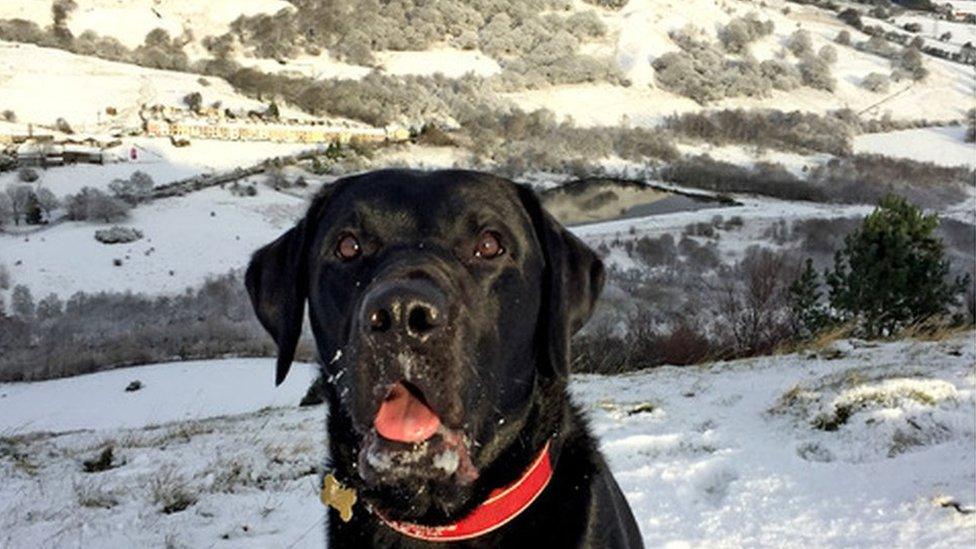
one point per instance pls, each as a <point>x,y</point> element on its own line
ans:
<point>414,307</point>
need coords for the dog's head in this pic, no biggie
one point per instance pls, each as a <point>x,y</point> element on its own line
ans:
<point>439,302</point>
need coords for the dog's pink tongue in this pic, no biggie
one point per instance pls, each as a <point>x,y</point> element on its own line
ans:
<point>405,418</point>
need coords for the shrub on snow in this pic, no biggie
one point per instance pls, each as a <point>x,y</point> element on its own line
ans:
<point>138,188</point>
<point>910,63</point>
<point>27,175</point>
<point>702,72</point>
<point>799,44</point>
<point>815,72</point>
<point>741,31</point>
<point>876,82</point>
<point>118,235</point>
<point>93,204</point>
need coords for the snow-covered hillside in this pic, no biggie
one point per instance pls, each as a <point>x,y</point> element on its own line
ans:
<point>856,444</point>
<point>944,146</point>
<point>34,80</point>
<point>640,34</point>
<point>187,240</point>
<point>133,19</point>
<point>42,84</point>
<point>173,391</point>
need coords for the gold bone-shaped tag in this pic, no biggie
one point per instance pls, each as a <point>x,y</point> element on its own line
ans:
<point>338,497</point>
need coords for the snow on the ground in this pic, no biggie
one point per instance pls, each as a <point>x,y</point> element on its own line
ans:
<point>174,391</point>
<point>312,66</point>
<point>759,214</point>
<point>43,84</point>
<point>158,158</point>
<point>450,62</point>
<point>933,28</point>
<point>603,104</point>
<point>186,240</point>
<point>748,453</point>
<point>743,155</point>
<point>945,95</point>
<point>131,20</point>
<point>640,31</point>
<point>945,146</point>
<point>226,229</point>
<point>424,157</point>
<point>731,455</point>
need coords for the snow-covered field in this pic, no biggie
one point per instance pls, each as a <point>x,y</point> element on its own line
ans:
<point>174,391</point>
<point>855,444</point>
<point>944,146</point>
<point>34,80</point>
<point>449,62</point>
<point>226,229</point>
<point>187,239</point>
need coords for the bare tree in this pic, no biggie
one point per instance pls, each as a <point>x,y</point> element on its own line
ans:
<point>63,126</point>
<point>47,201</point>
<point>27,175</point>
<point>107,208</point>
<point>49,307</point>
<point>800,44</point>
<point>60,11</point>
<point>22,302</point>
<point>138,188</point>
<point>6,207</point>
<point>193,101</point>
<point>91,203</point>
<point>754,304</point>
<point>20,196</point>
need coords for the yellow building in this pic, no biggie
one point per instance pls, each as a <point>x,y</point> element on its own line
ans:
<point>162,121</point>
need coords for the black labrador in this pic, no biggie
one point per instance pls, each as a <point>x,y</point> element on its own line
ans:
<point>442,304</point>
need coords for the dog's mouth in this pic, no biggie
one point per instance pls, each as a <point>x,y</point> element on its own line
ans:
<point>405,415</point>
<point>409,442</point>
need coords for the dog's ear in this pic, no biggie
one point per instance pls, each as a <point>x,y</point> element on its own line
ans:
<point>572,282</point>
<point>277,282</point>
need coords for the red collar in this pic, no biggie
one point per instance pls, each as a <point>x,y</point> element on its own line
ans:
<point>502,505</point>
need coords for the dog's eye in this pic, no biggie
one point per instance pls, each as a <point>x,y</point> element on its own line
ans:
<point>489,246</point>
<point>348,247</point>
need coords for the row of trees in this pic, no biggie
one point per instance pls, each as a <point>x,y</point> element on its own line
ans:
<point>54,337</point>
<point>25,203</point>
<point>794,131</point>
<point>854,179</point>
<point>890,272</point>
<point>35,205</point>
<point>159,50</point>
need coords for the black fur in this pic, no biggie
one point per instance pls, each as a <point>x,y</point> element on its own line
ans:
<point>495,372</point>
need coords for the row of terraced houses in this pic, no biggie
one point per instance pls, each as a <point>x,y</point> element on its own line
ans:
<point>183,124</point>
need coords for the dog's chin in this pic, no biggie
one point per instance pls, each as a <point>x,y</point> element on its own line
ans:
<point>409,481</point>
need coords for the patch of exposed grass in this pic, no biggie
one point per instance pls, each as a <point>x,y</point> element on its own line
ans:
<point>641,408</point>
<point>171,492</point>
<point>91,494</point>
<point>935,329</point>
<point>13,449</point>
<point>890,393</point>
<point>103,462</point>
<point>178,433</point>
